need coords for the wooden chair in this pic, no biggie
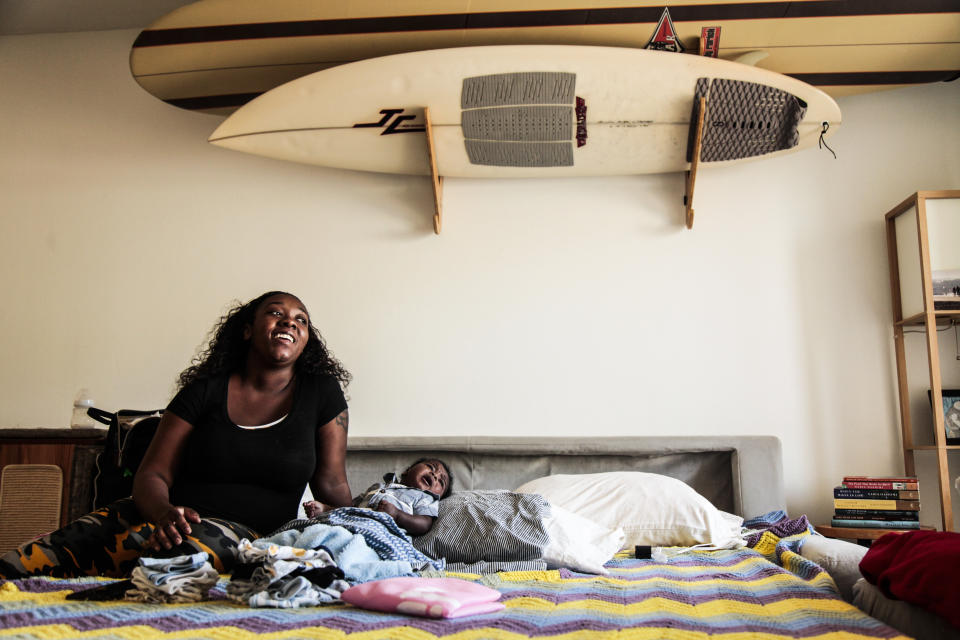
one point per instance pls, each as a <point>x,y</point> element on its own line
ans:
<point>30,497</point>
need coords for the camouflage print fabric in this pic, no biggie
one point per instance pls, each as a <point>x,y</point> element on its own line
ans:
<point>109,541</point>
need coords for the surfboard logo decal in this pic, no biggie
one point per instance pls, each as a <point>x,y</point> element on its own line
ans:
<point>393,122</point>
<point>581,122</point>
<point>664,37</point>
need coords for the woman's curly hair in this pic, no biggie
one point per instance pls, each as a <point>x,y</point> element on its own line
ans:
<point>226,351</point>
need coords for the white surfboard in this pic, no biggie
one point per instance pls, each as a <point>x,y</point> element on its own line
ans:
<point>529,111</point>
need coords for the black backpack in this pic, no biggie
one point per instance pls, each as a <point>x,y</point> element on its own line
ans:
<point>128,437</point>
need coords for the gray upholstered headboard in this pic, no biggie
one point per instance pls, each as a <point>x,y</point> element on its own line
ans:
<point>738,474</point>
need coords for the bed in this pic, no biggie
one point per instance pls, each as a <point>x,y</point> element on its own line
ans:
<point>763,590</point>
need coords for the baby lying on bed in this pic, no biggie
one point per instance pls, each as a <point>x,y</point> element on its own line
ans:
<point>410,499</point>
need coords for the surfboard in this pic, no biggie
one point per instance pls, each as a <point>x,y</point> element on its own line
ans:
<point>215,55</point>
<point>531,111</point>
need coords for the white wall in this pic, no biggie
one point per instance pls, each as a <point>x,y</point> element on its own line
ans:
<point>578,307</point>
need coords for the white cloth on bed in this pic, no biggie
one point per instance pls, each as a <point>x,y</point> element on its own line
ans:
<point>652,509</point>
<point>490,531</point>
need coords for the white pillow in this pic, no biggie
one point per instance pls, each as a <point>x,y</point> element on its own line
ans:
<point>652,509</point>
<point>578,543</point>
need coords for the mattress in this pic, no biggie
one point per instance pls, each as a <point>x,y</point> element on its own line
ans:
<point>766,590</point>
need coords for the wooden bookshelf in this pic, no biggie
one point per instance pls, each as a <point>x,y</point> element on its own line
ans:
<point>942,317</point>
<point>911,286</point>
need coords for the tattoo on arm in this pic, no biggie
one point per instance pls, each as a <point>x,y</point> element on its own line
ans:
<point>343,420</point>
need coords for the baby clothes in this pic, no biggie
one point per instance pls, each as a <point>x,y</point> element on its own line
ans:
<point>181,579</point>
<point>284,577</point>
<point>291,593</point>
<point>416,502</point>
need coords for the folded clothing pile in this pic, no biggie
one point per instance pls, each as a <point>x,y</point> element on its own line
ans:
<point>181,579</point>
<point>284,577</point>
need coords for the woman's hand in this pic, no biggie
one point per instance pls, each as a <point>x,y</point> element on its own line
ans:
<point>170,528</point>
<point>151,485</point>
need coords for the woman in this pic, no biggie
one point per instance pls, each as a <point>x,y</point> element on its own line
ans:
<point>257,417</point>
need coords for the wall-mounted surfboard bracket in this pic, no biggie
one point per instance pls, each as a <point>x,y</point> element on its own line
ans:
<point>691,175</point>
<point>435,178</point>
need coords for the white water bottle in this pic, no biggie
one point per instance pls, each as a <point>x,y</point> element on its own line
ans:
<point>81,403</point>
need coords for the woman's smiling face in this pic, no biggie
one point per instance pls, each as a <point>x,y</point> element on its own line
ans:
<point>280,329</point>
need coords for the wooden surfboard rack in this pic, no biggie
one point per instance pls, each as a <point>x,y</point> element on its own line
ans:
<point>437,180</point>
<point>690,179</point>
<point>691,175</point>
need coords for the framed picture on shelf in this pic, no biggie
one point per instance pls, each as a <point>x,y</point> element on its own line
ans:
<point>951,413</point>
<point>946,289</point>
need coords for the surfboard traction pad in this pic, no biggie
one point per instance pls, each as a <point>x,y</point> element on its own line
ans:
<point>744,119</point>
<point>534,119</point>
<point>524,119</point>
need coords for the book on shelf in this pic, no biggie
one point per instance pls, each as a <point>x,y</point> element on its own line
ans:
<point>875,524</point>
<point>875,494</point>
<point>875,514</point>
<point>885,505</point>
<point>908,479</point>
<point>880,484</point>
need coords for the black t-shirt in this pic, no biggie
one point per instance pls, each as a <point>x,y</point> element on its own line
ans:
<point>255,477</point>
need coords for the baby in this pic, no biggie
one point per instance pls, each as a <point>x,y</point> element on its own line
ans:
<point>410,499</point>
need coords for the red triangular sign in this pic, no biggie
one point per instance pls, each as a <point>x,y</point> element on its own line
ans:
<point>665,35</point>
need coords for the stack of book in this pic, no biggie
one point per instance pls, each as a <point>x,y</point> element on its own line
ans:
<point>872,502</point>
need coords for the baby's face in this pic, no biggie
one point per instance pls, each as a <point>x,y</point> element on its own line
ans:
<point>428,476</point>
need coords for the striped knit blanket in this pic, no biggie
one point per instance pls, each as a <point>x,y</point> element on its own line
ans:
<point>762,592</point>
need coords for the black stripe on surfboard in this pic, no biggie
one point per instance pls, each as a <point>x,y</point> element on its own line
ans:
<point>868,78</point>
<point>541,18</point>
<point>225,101</point>
<point>875,77</point>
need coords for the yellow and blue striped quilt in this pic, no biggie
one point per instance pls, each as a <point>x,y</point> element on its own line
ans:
<point>763,592</point>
